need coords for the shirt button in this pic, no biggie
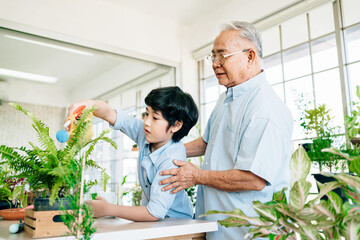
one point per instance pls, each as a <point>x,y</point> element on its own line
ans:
<point>145,185</point>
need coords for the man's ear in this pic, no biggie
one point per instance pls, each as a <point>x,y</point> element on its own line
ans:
<point>251,55</point>
<point>177,126</point>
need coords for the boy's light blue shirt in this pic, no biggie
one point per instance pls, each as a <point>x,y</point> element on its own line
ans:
<point>160,204</point>
<point>249,129</point>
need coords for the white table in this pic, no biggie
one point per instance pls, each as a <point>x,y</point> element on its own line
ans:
<point>116,228</point>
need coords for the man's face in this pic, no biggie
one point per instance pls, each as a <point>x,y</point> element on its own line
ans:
<point>235,69</point>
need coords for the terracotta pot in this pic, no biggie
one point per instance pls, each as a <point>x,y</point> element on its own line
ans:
<point>13,213</point>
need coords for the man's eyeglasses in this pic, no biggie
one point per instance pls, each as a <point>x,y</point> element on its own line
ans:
<point>220,58</point>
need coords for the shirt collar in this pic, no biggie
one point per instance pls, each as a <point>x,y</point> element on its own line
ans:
<point>155,156</point>
<point>234,92</point>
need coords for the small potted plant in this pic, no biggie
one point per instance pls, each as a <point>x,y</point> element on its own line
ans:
<point>317,124</point>
<point>352,122</point>
<point>53,172</point>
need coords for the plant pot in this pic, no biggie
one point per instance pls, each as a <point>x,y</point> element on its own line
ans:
<point>43,204</point>
<point>307,146</point>
<point>6,205</point>
<point>355,142</point>
<point>13,213</point>
<point>324,179</point>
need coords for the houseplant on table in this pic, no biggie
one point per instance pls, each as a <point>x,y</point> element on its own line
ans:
<point>317,124</point>
<point>49,170</point>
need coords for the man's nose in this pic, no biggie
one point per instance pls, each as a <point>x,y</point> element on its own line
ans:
<point>216,64</point>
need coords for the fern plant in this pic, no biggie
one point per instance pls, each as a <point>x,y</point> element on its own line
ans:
<point>45,167</point>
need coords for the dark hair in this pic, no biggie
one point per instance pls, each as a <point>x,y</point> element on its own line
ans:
<point>174,104</point>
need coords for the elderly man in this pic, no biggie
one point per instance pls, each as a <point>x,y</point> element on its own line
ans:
<point>247,141</point>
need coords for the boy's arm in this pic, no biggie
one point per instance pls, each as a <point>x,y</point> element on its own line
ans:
<point>102,208</point>
<point>103,110</point>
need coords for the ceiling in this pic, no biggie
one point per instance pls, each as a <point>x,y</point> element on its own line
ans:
<point>183,12</point>
<point>74,70</point>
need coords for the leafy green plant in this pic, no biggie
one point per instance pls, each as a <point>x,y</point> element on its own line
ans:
<point>352,121</point>
<point>79,220</point>
<point>134,192</point>
<point>317,124</point>
<point>45,167</point>
<point>310,219</point>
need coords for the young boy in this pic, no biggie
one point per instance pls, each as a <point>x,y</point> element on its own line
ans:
<point>170,114</point>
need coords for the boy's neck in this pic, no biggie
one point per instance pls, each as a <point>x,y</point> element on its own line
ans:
<point>153,148</point>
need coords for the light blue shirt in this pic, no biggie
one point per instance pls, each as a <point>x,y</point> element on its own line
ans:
<point>160,204</point>
<point>249,129</point>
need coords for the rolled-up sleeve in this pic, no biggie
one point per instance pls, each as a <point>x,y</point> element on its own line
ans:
<point>128,124</point>
<point>160,201</point>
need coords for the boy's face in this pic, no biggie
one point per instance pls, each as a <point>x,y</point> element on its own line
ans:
<point>156,128</point>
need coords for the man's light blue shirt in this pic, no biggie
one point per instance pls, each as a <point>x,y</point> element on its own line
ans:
<point>160,204</point>
<point>249,129</point>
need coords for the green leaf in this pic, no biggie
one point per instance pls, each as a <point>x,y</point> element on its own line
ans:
<point>325,188</point>
<point>280,197</point>
<point>308,232</point>
<point>355,166</point>
<point>352,229</point>
<point>299,165</point>
<point>299,193</point>
<point>335,201</point>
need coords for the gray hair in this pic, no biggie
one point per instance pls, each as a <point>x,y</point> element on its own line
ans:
<point>246,31</point>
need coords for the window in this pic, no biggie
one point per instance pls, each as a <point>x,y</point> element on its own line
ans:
<point>302,65</point>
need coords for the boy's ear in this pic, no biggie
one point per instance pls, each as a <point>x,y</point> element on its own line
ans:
<point>177,126</point>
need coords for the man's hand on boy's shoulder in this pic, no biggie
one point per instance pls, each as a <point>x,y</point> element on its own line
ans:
<point>183,177</point>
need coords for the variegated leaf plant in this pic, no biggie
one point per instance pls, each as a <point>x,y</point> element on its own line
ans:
<point>300,217</point>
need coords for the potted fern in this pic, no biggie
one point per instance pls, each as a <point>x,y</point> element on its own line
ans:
<point>50,171</point>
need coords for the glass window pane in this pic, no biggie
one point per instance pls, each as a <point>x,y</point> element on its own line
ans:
<point>354,78</point>
<point>299,97</point>
<point>352,43</point>
<point>328,92</point>
<point>324,53</point>
<point>279,90</point>
<point>128,99</point>
<point>210,90</point>
<point>206,111</point>
<point>273,69</point>
<point>321,20</point>
<point>297,62</point>
<point>351,12</point>
<point>208,70</point>
<point>294,31</point>
<point>271,40</point>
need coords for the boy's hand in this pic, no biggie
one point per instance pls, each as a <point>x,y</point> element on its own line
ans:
<point>184,177</point>
<point>73,107</point>
<point>99,206</point>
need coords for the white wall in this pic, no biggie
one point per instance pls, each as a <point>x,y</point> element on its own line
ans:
<point>131,33</point>
<point>99,21</point>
